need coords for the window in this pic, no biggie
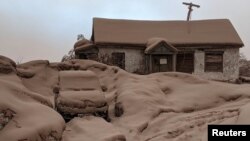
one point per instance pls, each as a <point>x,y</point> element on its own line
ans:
<point>214,62</point>
<point>118,59</point>
<point>185,62</point>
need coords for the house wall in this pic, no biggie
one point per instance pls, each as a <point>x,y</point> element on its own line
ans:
<point>134,58</point>
<point>135,62</point>
<point>230,65</point>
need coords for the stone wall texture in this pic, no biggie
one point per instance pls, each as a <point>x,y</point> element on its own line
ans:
<point>230,65</point>
<point>135,62</point>
<point>134,58</point>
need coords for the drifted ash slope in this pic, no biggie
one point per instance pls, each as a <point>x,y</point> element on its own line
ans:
<point>155,107</point>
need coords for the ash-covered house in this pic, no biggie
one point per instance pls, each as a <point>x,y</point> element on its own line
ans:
<point>208,48</point>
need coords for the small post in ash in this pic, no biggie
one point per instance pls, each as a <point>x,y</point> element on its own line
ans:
<point>190,9</point>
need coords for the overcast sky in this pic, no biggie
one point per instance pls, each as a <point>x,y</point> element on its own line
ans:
<point>47,29</point>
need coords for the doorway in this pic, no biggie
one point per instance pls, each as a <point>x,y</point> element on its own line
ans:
<point>162,63</point>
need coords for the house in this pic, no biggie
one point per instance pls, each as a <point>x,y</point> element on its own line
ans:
<point>208,48</point>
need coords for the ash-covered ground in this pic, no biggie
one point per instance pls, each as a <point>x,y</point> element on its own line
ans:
<point>156,107</point>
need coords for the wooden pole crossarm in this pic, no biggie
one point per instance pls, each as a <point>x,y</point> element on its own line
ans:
<point>190,9</point>
<point>191,4</point>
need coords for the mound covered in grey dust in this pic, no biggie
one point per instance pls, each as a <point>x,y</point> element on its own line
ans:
<point>156,107</point>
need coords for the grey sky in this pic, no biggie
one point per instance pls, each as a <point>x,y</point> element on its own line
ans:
<point>47,29</point>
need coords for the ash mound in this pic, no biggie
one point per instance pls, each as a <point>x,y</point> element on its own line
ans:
<point>161,106</point>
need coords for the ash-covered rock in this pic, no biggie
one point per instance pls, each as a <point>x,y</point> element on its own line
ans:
<point>6,59</point>
<point>25,73</point>
<point>6,65</point>
<point>5,117</point>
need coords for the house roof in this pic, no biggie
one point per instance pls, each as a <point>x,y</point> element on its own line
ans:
<point>201,32</point>
<point>82,45</point>
<point>153,43</point>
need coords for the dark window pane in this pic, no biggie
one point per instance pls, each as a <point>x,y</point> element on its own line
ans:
<point>214,62</point>
<point>185,62</point>
<point>118,59</point>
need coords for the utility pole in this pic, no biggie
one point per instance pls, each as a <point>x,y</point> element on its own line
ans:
<point>190,9</point>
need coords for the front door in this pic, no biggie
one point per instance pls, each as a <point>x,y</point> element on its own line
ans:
<point>162,63</point>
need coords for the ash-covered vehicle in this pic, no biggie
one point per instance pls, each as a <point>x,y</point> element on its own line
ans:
<point>80,94</point>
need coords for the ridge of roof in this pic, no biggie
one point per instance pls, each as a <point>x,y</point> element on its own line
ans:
<point>139,20</point>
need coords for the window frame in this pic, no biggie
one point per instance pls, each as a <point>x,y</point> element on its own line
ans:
<point>206,63</point>
<point>181,60</point>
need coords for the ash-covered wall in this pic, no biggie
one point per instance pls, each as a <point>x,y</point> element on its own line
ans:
<point>135,62</point>
<point>230,65</point>
<point>134,58</point>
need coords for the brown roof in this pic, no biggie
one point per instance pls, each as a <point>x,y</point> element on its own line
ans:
<point>200,32</point>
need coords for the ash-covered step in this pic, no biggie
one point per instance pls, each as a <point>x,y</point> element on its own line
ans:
<point>80,93</point>
<point>90,128</point>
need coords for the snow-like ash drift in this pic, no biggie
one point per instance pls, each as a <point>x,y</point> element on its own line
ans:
<point>160,106</point>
